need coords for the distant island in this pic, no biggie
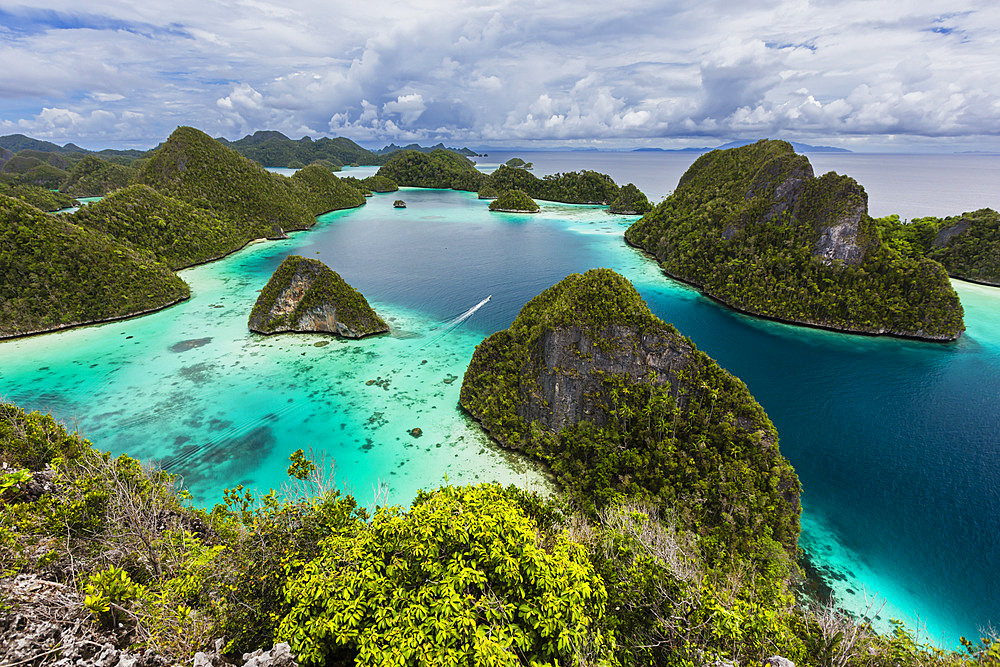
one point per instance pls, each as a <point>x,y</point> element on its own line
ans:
<point>801,148</point>
<point>755,229</point>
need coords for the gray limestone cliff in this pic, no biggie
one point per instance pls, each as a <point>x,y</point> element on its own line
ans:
<point>304,295</point>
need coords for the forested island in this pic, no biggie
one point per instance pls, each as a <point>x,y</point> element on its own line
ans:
<point>756,230</point>
<point>445,169</point>
<point>967,245</point>
<point>514,201</point>
<point>193,200</point>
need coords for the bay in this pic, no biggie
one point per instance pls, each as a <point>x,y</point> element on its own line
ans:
<point>895,441</point>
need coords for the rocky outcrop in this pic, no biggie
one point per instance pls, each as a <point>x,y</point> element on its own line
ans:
<point>588,379</point>
<point>945,235</point>
<point>304,295</point>
<point>836,206</point>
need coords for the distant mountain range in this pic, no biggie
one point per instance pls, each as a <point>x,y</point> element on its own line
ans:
<point>392,148</point>
<point>799,148</point>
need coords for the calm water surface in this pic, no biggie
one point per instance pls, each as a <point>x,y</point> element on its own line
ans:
<point>896,442</point>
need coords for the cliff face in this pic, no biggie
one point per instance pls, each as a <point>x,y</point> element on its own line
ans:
<point>615,401</point>
<point>304,295</point>
<point>759,232</point>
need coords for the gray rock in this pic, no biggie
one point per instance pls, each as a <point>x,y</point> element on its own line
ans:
<point>279,656</point>
<point>778,661</point>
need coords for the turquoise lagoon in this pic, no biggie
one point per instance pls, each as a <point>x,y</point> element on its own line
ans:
<point>896,442</point>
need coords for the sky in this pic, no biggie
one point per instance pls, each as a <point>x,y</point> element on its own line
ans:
<point>867,75</point>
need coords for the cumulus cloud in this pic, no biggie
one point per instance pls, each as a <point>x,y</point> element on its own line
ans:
<point>637,71</point>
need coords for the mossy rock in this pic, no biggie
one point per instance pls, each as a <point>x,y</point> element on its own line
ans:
<point>616,402</point>
<point>304,295</point>
<point>755,229</point>
<point>514,201</point>
<point>55,274</point>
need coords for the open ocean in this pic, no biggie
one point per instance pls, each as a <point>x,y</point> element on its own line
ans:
<point>897,443</point>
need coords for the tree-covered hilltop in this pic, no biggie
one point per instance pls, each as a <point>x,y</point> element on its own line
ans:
<point>306,295</point>
<point>575,187</point>
<point>630,201</point>
<point>618,403</point>
<point>518,163</point>
<point>967,245</point>
<point>437,169</point>
<point>112,552</point>
<point>274,149</point>
<point>94,177</point>
<point>514,201</point>
<point>323,191</point>
<point>193,167</point>
<point>54,274</point>
<point>756,230</point>
<point>30,167</point>
<point>41,198</point>
<point>177,233</point>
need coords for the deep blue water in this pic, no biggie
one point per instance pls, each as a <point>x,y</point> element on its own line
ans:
<point>896,442</point>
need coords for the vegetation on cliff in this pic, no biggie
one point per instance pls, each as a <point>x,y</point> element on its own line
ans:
<point>967,245</point>
<point>630,201</point>
<point>56,274</point>
<point>193,167</point>
<point>41,198</point>
<point>94,177</point>
<point>755,229</point>
<point>437,169</point>
<point>176,232</point>
<point>565,385</point>
<point>469,575</point>
<point>323,191</point>
<point>306,295</point>
<point>514,201</point>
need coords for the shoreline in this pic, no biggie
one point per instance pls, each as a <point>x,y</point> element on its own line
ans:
<point>811,325</point>
<point>149,311</point>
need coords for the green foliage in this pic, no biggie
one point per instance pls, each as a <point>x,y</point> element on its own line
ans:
<point>514,201</point>
<point>630,201</point>
<point>324,191</point>
<point>325,288</point>
<point>273,149</point>
<point>55,274</point>
<point>108,592</point>
<point>301,467</point>
<point>745,225</point>
<point>41,198</point>
<point>967,245</point>
<point>437,169</point>
<point>31,439</point>
<point>193,167</point>
<point>459,579</point>
<point>92,177</point>
<point>379,183</point>
<point>583,187</point>
<point>518,163</point>
<point>176,232</point>
<point>27,169</point>
<point>691,437</point>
